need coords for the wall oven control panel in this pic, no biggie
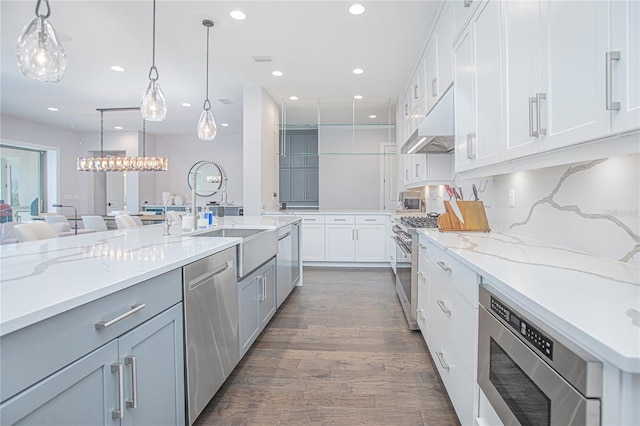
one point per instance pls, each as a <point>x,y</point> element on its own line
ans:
<point>524,329</point>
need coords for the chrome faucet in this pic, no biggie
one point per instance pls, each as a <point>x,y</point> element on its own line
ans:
<point>167,225</point>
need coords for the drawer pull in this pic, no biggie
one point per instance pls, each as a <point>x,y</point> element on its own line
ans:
<point>135,308</point>
<point>420,314</point>
<point>421,246</point>
<point>131,360</point>
<point>118,413</point>
<point>340,220</point>
<point>444,266</point>
<point>370,220</point>
<point>443,363</point>
<point>443,307</point>
<point>421,275</point>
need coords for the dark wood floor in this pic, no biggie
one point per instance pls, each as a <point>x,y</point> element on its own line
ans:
<point>338,352</point>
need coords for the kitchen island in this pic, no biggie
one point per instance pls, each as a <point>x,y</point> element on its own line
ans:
<point>80,316</point>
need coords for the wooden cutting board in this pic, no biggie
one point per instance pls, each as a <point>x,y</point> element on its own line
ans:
<point>473,214</point>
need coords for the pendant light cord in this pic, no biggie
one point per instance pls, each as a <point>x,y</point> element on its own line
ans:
<point>153,48</point>
<point>38,9</point>
<point>207,103</point>
<point>101,134</point>
<point>144,137</point>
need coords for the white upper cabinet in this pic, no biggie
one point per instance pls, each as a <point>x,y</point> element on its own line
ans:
<point>462,10</point>
<point>444,39</point>
<point>478,94</point>
<point>431,61</point>
<point>624,76</point>
<point>575,41</point>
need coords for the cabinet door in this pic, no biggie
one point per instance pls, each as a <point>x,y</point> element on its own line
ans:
<point>407,177</point>
<point>370,243</point>
<point>444,39</point>
<point>152,356</point>
<point>418,85</point>
<point>312,242</point>
<point>625,76</point>
<point>487,145</point>
<point>285,185</point>
<point>464,100</point>
<point>267,298</point>
<point>311,142</point>
<point>298,184</point>
<point>431,64</point>
<point>311,185</point>
<point>298,149</point>
<point>295,253</point>
<point>522,23</point>
<point>419,168</point>
<point>249,323</point>
<point>340,243</point>
<point>439,167</point>
<point>575,34</point>
<point>84,393</point>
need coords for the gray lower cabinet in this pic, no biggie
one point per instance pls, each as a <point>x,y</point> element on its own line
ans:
<point>136,379</point>
<point>256,303</point>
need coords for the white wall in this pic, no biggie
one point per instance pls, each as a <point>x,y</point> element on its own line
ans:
<point>183,151</point>
<point>65,142</point>
<point>348,180</point>
<point>590,206</point>
<point>270,170</point>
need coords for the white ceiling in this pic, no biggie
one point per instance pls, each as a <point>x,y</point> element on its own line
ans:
<point>316,44</point>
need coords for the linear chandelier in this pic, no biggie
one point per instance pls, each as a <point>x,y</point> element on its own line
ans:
<point>122,164</point>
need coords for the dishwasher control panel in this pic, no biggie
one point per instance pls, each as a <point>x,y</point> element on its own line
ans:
<point>526,331</point>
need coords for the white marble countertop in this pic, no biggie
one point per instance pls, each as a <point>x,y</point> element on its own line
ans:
<point>593,301</point>
<point>41,279</point>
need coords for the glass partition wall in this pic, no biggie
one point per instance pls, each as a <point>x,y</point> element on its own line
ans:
<point>22,182</point>
<point>337,155</point>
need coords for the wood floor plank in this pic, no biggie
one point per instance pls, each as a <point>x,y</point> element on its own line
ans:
<point>337,352</point>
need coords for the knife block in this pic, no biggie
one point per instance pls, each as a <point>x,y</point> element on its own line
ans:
<point>473,214</point>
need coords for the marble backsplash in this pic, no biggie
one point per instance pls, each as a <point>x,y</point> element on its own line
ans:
<point>592,206</point>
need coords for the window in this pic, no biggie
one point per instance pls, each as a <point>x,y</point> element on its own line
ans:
<point>22,179</point>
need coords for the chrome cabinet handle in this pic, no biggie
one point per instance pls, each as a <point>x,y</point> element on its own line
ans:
<point>284,236</point>
<point>420,314</point>
<point>135,308</point>
<point>369,220</point>
<point>444,266</point>
<point>118,413</point>
<point>434,87</point>
<point>415,91</point>
<point>532,133</point>
<point>264,288</point>
<point>406,174</point>
<point>421,275</point>
<point>540,97</point>
<point>406,110</point>
<point>443,307</point>
<point>611,104</point>
<point>421,246</point>
<point>467,3</point>
<point>417,170</point>
<point>443,363</point>
<point>131,360</point>
<point>470,146</point>
<point>340,220</point>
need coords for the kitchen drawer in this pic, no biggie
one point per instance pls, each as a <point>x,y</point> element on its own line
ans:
<point>340,219</point>
<point>369,219</point>
<point>312,218</point>
<point>459,384</point>
<point>462,278</point>
<point>457,317</point>
<point>33,353</point>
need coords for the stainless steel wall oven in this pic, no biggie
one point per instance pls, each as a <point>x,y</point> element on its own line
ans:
<point>531,375</point>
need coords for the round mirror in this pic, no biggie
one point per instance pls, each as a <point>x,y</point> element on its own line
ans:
<point>207,176</point>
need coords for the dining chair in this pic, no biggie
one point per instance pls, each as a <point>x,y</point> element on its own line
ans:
<point>8,234</point>
<point>94,222</point>
<point>55,218</point>
<point>174,217</point>
<point>124,221</point>
<point>34,231</point>
<point>137,220</point>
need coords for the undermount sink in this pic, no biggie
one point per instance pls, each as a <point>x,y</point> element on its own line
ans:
<point>257,246</point>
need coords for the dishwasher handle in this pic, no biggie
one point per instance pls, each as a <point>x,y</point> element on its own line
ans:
<point>210,274</point>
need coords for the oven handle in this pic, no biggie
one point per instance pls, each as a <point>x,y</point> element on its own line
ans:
<point>402,247</point>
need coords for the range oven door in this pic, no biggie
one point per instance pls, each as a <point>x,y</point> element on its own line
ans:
<point>521,387</point>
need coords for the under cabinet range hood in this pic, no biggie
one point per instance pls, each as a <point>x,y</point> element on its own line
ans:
<point>435,132</point>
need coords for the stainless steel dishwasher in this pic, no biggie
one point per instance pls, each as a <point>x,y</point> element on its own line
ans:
<point>211,327</point>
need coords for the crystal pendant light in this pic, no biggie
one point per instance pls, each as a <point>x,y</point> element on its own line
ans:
<point>153,105</point>
<point>207,128</point>
<point>39,52</point>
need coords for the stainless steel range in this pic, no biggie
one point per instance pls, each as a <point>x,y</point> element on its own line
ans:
<point>406,261</point>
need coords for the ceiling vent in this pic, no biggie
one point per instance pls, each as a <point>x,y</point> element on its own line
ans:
<point>224,101</point>
<point>261,58</point>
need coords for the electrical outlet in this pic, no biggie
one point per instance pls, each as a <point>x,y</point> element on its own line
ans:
<point>512,198</point>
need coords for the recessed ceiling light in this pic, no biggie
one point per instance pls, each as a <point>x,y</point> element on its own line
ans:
<point>118,127</point>
<point>277,73</point>
<point>372,116</point>
<point>358,71</point>
<point>293,98</point>
<point>356,9</point>
<point>238,15</point>
<point>224,124</point>
<point>185,104</point>
<point>117,68</point>
<point>357,97</point>
<point>52,109</point>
